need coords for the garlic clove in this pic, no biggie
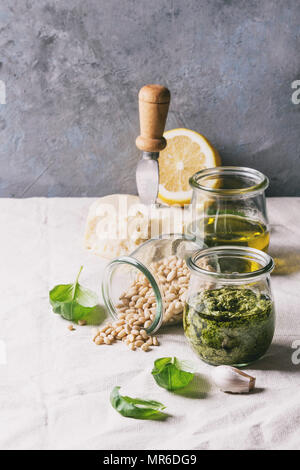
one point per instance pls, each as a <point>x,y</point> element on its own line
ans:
<point>231,379</point>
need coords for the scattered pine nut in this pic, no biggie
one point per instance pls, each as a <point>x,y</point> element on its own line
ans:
<point>96,335</point>
<point>143,334</point>
<point>121,334</point>
<point>135,332</point>
<point>99,340</point>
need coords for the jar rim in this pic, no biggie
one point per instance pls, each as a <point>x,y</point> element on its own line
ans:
<point>189,237</point>
<point>228,250</point>
<point>128,260</point>
<point>260,181</point>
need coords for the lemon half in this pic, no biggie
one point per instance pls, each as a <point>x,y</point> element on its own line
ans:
<point>186,153</point>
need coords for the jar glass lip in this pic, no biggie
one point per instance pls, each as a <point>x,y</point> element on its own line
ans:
<point>128,260</point>
<point>265,260</point>
<point>256,181</point>
<point>184,237</point>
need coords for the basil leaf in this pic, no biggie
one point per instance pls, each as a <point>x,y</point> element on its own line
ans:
<point>135,407</point>
<point>169,373</point>
<point>72,301</point>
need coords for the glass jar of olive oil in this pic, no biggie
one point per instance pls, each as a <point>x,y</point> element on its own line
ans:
<point>229,207</point>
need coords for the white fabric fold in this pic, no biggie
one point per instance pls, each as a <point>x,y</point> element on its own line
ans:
<point>55,386</point>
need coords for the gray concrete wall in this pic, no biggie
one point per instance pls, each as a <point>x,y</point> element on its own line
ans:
<point>73,68</point>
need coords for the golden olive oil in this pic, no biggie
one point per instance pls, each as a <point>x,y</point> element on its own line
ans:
<point>228,229</point>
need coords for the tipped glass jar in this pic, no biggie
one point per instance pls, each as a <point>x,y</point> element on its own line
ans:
<point>229,207</point>
<point>148,288</point>
<point>229,315</point>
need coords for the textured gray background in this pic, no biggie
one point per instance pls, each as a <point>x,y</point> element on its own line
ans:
<point>73,69</point>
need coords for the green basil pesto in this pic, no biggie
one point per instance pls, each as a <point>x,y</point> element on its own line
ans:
<point>232,326</point>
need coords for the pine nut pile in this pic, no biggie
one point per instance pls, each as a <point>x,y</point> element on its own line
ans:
<point>137,306</point>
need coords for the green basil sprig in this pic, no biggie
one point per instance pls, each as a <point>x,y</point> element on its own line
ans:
<point>137,408</point>
<point>169,373</point>
<point>72,301</point>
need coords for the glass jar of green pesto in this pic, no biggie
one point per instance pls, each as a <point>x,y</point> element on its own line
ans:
<point>229,315</point>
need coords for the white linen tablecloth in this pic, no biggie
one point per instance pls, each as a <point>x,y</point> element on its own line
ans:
<point>55,384</point>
